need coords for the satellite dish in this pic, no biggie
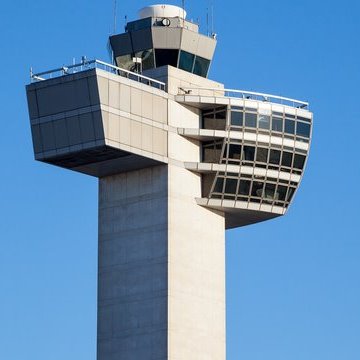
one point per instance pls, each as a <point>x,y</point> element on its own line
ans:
<point>166,22</point>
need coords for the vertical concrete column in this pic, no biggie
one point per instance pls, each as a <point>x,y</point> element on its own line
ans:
<point>161,268</point>
<point>133,265</point>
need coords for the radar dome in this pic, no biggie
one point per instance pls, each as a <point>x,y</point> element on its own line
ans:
<point>162,11</point>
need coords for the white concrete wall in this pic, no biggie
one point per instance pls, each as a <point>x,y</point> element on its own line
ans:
<point>133,270</point>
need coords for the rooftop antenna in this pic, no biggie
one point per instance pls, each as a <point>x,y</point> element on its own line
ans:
<point>212,18</point>
<point>183,8</point>
<point>115,11</point>
<point>207,21</point>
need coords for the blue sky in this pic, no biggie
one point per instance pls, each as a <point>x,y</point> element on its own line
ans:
<point>293,284</point>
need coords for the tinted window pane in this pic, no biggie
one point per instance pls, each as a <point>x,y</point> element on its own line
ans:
<point>186,61</point>
<point>257,189</point>
<point>290,126</point>
<point>201,66</point>
<point>275,157</point>
<point>290,194</point>
<point>277,124</point>
<point>303,129</point>
<point>166,57</point>
<point>230,187</point>
<point>250,120</point>
<point>236,118</point>
<point>299,161</point>
<point>244,187</point>
<point>281,192</point>
<point>249,153</point>
<point>264,122</point>
<point>234,151</point>
<point>261,155</point>
<point>125,62</point>
<point>219,185</point>
<point>147,57</point>
<point>286,159</point>
<point>270,192</point>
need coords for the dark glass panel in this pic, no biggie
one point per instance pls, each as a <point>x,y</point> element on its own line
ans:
<point>290,194</point>
<point>286,159</point>
<point>277,124</point>
<point>166,57</point>
<point>303,119</point>
<point>125,62</point>
<point>239,108</point>
<point>234,151</point>
<point>257,189</point>
<point>264,122</point>
<point>249,153</point>
<point>186,61</point>
<point>219,185</point>
<point>262,155</point>
<point>244,187</point>
<point>299,161</point>
<point>282,192</point>
<point>289,126</point>
<point>230,186</point>
<point>147,57</point>
<point>237,118</point>
<point>250,120</point>
<point>303,129</point>
<point>270,193</point>
<point>201,66</point>
<point>275,157</point>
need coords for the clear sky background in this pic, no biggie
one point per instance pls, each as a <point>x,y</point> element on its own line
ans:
<point>293,284</point>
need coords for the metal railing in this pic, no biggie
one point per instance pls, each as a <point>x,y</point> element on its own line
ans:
<point>243,94</point>
<point>95,64</point>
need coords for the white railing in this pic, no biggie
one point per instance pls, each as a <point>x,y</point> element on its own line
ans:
<point>95,64</point>
<point>243,94</point>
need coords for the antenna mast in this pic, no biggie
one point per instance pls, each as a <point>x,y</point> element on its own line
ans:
<point>115,11</point>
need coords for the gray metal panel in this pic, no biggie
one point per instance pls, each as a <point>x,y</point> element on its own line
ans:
<point>86,127</point>
<point>189,41</point>
<point>63,97</point>
<point>206,47</point>
<point>36,138</point>
<point>61,135</point>
<point>121,44</point>
<point>142,40</point>
<point>166,38</point>
<point>48,136</point>
<point>32,103</point>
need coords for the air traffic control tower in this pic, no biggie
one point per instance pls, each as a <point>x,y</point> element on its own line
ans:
<point>179,159</point>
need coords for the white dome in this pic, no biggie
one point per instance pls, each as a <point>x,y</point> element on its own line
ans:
<point>162,11</point>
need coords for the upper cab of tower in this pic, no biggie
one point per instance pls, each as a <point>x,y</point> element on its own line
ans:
<point>162,36</point>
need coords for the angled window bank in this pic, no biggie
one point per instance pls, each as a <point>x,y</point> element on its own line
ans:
<point>152,125</point>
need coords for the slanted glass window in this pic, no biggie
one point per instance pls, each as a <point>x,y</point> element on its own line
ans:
<point>125,62</point>
<point>147,56</point>
<point>249,153</point>
<point>286,159</point>
<point>275,157</point>
<point>219,185</point>
<point>244,187</point>
<point>264,122</point>
<point>230,187</point>
<point>289,126</point>
<point>299,161</point>
<point>281,192</point>
<point>186,61</point>
<point>250,120</point>
<point>201,66</point>
<point>303,129</point>
<point>290,194</point>
<point>257,189</point>
<point>270,193</point>
<point>234,151</point>
<point>166,57</point>
<point>262,155</point>
<point>237,118</point>
<point>277,124</point>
